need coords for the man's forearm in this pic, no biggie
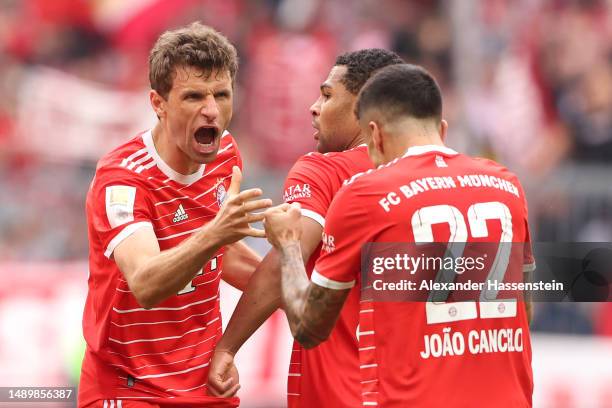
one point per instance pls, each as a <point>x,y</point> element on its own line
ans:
<point>260,299</point>
<point>239,265</point>
<point>170,271</point>
<point>312,310</point>
<point>294,284</point>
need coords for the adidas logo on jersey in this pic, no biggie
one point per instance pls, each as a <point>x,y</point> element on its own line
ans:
<point>180,214</point>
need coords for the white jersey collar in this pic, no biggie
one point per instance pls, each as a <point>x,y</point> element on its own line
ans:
<point>417,150</point>
<point>147,138</point>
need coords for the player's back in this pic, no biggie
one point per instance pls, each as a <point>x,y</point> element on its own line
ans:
<point>327,375</point>
<point>442,354</point>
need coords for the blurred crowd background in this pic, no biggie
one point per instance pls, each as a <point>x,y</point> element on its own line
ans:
<point>525,82</point>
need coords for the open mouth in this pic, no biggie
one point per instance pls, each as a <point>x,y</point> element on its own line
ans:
<point>206,135</point>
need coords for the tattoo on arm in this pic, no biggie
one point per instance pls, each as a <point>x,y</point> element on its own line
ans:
<point>312,310</point>
<point>320,314</point>
<point>294,283</point>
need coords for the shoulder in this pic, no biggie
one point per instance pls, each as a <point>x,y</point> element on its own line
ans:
<point>498,169</point>
<point>228,156</point>
<point>339,164</point>
<point>312,160</point>
<point>357,156</point>
<point>490,165</point>
<point>312,167</point>
<point>124,163</point>
<point>228,143</point>
<point>371,177</point>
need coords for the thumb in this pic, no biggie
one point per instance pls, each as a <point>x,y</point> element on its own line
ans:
<point>234,187</point>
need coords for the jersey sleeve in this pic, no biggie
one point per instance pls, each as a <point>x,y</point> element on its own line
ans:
<point>119,207</point>
<point>309,184</point>
<point>347,228</point>
<point>528,258</point>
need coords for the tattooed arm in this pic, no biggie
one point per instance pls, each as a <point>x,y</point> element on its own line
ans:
<point>312,310</point>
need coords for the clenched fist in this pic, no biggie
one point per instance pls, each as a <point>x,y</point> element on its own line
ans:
<point>282,224</point>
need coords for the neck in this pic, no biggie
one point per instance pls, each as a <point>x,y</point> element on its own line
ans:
<point>412,133</point>
<point>170,153</point>
<point>357,141</point>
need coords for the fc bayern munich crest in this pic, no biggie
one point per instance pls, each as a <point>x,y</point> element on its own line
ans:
<point>221,193</point>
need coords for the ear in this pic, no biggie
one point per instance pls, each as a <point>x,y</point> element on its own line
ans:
<point>443,130</point>
<point>158,103</point>
<point>377,137</point>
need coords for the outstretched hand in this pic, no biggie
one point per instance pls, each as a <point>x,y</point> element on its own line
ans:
<point>283,224</point>
<point>237,212</point>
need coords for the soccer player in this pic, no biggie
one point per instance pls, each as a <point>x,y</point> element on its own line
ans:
<point>486,358</point>
<point>327,375</point>
<point>165,216</point>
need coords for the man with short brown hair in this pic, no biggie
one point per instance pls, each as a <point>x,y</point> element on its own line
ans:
<point>165,217</point>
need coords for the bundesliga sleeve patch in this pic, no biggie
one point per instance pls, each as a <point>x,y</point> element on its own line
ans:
<point>120,204</point>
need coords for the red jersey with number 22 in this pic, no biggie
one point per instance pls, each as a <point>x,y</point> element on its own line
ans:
<point>433,194</point>
<point>327,375</point>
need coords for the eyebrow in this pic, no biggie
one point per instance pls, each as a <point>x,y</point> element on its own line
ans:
<point>191,91</point>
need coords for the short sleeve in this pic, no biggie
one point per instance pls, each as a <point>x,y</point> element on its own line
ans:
<point>308,183</point>
<point>529,264</point>
<point>346,230</point>
<point>117,207</point>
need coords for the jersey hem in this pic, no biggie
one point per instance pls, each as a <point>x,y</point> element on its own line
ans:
<point>314,216</point>
<point>321,280</point>
<point>530,267</point>
<point>126,232</point>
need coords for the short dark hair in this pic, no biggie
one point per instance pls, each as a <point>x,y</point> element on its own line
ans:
<point>360,65</point>
<point>195,45</point>
<point>401,90</point>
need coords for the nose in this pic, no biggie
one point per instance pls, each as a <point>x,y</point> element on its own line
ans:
<point>315,108</point>
<point>210,109</point>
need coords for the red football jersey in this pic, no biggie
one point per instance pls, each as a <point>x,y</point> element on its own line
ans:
<point>327,375</point>
<point>161,354</point>
<point>433,354</point>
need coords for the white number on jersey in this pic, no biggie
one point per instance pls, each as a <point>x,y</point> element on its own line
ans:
<point>189,287</point>
<point>439,311</point>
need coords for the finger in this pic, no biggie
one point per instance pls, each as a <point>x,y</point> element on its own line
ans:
<point>219,387</point>
<point>213,390</point>
<point>216,387</point>
<point>231,392</point>
<point>251,206</point>
<point>250,218</point>
<point>234,187</point>
<point>295,209</point>
<point>254,232</point>
<point>281,208</point>
<point>247,195</point>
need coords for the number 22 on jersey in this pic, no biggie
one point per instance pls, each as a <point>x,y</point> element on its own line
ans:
<point>436,309</point>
